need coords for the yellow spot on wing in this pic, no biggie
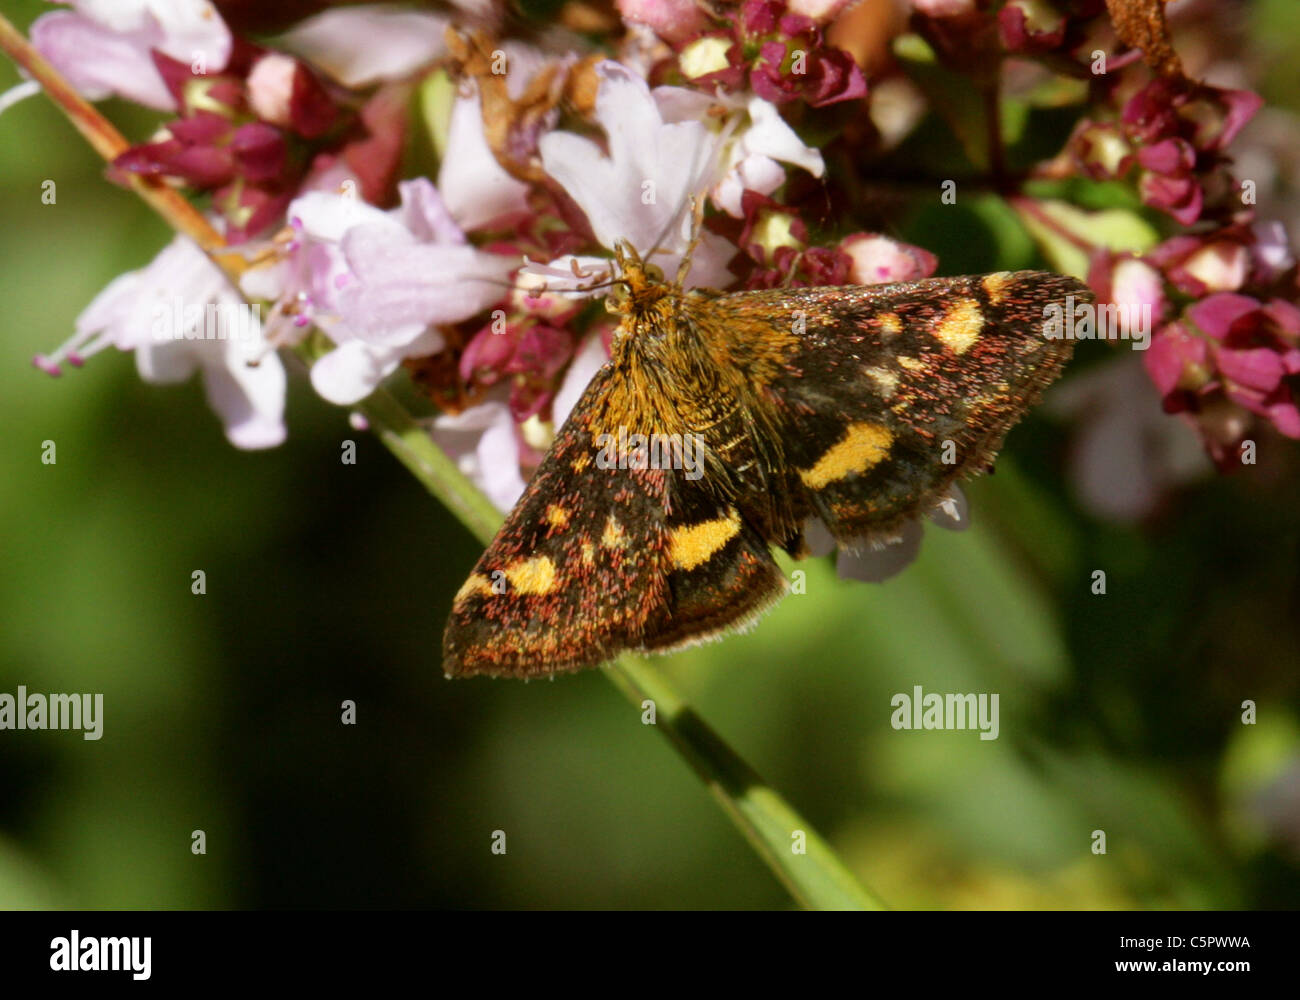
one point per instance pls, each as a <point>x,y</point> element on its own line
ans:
<point>911,364</point>
<point>557,516</point>
<point>995,285</point>
<point>862,446</point>
<point>476,584</point>
<point>532,576</point>
<point>693,545</point>
<point>960,326</point>
<point>614,536</point>
<point>890,323</point>
<point>886,381</point>
<point>588,554</point>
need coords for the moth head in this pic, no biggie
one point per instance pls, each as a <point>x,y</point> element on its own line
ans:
<point>637,279</point>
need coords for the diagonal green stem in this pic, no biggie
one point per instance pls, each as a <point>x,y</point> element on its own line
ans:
<point>816,878</point>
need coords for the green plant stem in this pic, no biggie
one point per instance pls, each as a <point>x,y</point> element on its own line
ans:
<point>816,878</point>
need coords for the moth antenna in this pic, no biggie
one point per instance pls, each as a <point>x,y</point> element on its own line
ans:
<point>697,233</point>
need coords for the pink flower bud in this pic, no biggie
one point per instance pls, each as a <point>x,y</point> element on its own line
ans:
<point>672,20</point>
<point>878,260</point>
<point>270,87</point>
<point>821,11</point>
<point>944,8</point>
<point>1222,266</point>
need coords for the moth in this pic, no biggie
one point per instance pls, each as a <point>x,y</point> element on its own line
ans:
<point>721,425</point>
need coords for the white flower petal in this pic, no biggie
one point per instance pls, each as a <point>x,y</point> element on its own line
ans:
<point>192,30</point>
<point>485,444</point>
<point>103,48</point>
<point>652,168</point>
<point>476,189</point>
<point>166,363</point>
<point>769,135</point>
<point>99,62</point>
<point>425,214</point>
<point>248,398</point>
<point>753,173</point>
<point>402,284</point>
<point>352,371</point>
<point>327,215</point>
<point>358,46</point>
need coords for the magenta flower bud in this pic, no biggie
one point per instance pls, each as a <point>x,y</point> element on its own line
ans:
<point>541,351</point>
<point>759,17</point>
<point>312,112</point>
<point>259,151</point>
<point>1177,360</point>
<point>485,357</point>
<point>1256,351</point>
<point>1101,150</point>
<point>1031,26</point>
<point>1218,115</point>
<point>1168,182</point>
<point>1207,117</point>
<point>1216,315</point>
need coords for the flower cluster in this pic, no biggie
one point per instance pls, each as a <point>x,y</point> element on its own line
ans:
<point>1171,134</point>
<point>477,279</point>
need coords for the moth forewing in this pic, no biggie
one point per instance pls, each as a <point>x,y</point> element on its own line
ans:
<point>857,405</point>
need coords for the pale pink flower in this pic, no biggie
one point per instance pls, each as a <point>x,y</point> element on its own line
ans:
<point>671,20</point>
<point>243,377</point>
<point>270,87</point>
<point>1126,454</point>
<point>641,190</point>
<point>486,445</point>
<point>360,46</point>
<point>378,283</point>
<point>476,188</point>
<point>754,138</point>
<point>103,47</point>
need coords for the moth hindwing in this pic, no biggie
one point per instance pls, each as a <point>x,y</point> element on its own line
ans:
<point>721,424</point>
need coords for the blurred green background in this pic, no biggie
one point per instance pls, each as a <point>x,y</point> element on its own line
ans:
<point>329,582</point>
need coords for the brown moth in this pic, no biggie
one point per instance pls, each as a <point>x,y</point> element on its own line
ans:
<point>721,424</point>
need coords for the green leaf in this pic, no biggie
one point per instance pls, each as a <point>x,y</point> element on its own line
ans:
<point>1062,231</point>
